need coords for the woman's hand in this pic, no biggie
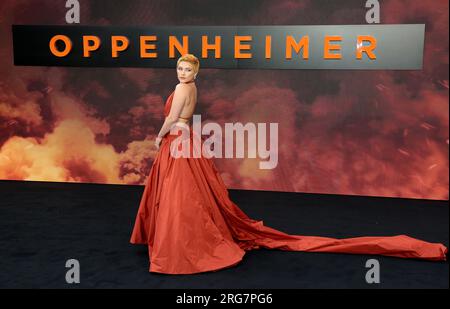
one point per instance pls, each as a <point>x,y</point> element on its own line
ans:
<point>158,142</point>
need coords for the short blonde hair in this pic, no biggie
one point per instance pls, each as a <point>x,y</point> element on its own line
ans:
<point>191,59</point>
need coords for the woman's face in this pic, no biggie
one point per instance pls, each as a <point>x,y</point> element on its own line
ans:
<point>185,71</point>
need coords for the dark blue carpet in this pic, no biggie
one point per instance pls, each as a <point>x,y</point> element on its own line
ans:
<point>43,224</point>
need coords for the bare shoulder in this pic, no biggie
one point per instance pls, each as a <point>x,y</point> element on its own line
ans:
<point>181,93</point>
<point>182,89</point>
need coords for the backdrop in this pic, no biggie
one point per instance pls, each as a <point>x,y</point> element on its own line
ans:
<point>377,133</point>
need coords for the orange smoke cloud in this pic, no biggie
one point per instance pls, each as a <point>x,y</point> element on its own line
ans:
<point>57,157</point>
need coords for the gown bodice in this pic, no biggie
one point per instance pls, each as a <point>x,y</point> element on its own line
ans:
<point>168,104</point>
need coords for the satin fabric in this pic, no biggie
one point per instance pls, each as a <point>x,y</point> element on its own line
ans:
<point>190,225</point>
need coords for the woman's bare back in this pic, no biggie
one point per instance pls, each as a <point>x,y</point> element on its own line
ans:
<point>189,106</point>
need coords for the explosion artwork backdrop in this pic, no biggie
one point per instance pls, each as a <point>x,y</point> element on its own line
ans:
<point>376,133</point>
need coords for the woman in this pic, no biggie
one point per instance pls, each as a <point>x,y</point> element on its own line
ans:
<point>189,222</point>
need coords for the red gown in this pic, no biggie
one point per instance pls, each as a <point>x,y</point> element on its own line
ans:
<point>190,225</point>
